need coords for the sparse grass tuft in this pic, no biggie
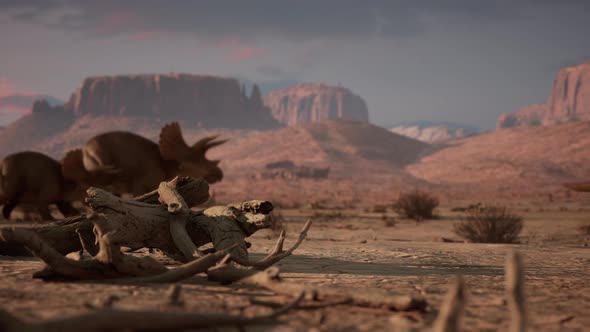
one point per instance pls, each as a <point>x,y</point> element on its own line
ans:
<point>416,205</point>
<point>489,224</point>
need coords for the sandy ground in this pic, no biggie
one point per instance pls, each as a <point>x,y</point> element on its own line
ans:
<point>356,249</point>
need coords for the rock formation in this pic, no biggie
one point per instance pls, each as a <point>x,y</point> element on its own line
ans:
<point>432,132</point>
<point>35,128</point>
<point>208,101</point>
<point>314,102</point>
<point>14,106</point>
<point>569,100</point>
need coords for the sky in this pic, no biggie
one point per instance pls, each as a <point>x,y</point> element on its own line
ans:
<point>464,61</point>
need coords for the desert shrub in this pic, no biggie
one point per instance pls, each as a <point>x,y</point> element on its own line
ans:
<point>416,205</point>
<point>489,224</point>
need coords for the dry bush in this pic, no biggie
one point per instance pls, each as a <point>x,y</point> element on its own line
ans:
<point>489,224</point>
<point>416,205</point>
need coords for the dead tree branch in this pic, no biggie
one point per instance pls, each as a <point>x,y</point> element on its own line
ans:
<point>119,320</point>
<point>270,279</point>
<point>515,293</point>
<point>179,211</point>
<point>277,253</point>
<point>452,309</point>
<point>109,263</point>
<point>118,223</point>
<point>64,236</point>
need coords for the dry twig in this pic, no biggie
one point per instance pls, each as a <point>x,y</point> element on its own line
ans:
<point>452,309</point>
<point>277,252</point>
<point>270,279</point>
<point>515,293</point>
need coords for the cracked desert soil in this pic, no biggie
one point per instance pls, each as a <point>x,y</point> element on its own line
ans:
<point>356,249</point>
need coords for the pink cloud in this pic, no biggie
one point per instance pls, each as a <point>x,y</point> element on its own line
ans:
<point>147,35</point>
<point>13,109</point>
<point>118,22</point>
<point>235,51</point>
<point>5,87</point>
<point>241,54</point>
<point>14,101</point>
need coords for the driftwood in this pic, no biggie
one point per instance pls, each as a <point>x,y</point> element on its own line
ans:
<point>139,223</point>
<point>270,279</point>
<point>108,263</point>
<point>64,236</point>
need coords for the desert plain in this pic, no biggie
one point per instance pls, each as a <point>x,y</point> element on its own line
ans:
<point>358,248</point>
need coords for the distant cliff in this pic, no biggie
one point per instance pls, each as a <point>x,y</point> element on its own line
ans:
<point>314,102</point>
<point>434,132</point>
<point>195,99</point>
<point>569,100</point>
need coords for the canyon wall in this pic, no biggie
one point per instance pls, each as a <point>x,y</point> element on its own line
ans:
<point>207,101</point>
<point>314,102</point>
<point>568,100</point>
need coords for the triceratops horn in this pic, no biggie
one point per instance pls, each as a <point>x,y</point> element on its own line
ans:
<point>207,143</point>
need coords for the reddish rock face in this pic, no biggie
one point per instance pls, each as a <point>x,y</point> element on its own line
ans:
<point>314,102</point>
<point>207,100</point>
<point>569,100</point>
<point>570,95</point>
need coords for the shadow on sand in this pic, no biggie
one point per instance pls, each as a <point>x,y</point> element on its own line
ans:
<point>321,265</point>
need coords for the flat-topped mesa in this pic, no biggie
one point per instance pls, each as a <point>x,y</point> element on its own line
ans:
<point>209,100</point>
<point>569,100</point>
<point>314,102</point>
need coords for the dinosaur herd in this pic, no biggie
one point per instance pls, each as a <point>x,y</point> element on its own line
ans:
<point>120,161</point>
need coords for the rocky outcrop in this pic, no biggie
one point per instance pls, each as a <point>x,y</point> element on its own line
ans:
<point>431,132</point>
<point>570,96</point>
<point>34,128</point>
<point>14,106</point>
<point>208,101</point>
<point>569,100</point>
<point>287,169</point>
<point>43,106</point>
<point>531,115</point>
<point>314,102</point>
